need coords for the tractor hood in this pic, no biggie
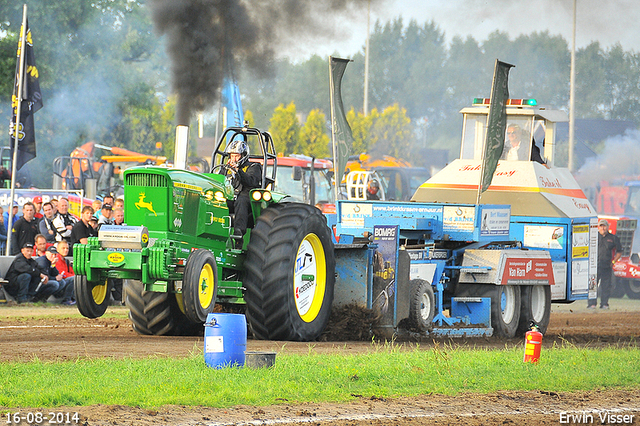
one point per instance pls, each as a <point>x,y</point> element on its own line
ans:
<point>171,200</point>
<point>529,187</point>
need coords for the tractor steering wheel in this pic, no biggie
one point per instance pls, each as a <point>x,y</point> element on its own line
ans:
<point>220,167</point>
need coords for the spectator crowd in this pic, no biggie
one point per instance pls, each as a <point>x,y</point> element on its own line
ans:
<point>42,242</point>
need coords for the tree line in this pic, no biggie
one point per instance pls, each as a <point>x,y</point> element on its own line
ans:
<point>104,76</point>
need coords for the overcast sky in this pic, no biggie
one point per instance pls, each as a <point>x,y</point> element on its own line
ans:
<point>607,21</point>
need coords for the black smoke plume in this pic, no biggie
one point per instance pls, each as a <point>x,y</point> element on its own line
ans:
<point>208,39</point>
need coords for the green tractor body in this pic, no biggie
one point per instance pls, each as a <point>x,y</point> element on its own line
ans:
<point>178,260</point>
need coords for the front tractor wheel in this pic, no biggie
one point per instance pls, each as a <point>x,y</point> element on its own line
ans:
<point>200,285</point>
<point>289,273</point>
<point>92,298</point>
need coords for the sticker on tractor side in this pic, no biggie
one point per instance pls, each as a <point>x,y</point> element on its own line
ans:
<point>458,218</point>
<point>304,282</point>
<point>530,271</point>
<point>353,214</point>
<point>214,344</point>
<point>544,236</point>
<point>580,243</point>
<point>495,221</point>
<point>115,257</point>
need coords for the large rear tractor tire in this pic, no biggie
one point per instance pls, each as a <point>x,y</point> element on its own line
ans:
<point>289,273</point>
<point>92,299</point>
<point>535,306</point>
<point>200,285</point>
<point>156,313</point>
<point>422,305</point>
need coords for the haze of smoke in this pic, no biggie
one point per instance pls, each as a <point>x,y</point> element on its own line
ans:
<point>208,39</point>
<point>618,160</point>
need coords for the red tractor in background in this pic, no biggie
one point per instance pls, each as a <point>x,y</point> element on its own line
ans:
<point>619,203</point>
<point>308,180</point>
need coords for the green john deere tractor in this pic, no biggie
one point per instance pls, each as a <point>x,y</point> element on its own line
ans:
<point>178,259</point>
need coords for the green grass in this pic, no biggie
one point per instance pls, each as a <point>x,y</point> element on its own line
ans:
<point>43,310</point>
<point>385,371</point>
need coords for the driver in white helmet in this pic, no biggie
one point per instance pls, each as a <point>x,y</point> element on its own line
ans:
<point>246,175</point>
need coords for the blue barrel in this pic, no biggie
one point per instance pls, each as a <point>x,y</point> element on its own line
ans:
<point>225,340</point>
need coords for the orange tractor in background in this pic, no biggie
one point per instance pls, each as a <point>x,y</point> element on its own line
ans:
<point>399,180</point>
<point>82,170</point>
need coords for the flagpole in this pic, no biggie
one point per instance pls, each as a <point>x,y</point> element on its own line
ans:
<point>16,125</point>
<point>333,135</point>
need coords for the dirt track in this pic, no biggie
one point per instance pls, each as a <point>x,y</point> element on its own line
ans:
<point>57,333</point>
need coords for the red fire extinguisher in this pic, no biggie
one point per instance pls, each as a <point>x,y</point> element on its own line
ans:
<point>532,344</point>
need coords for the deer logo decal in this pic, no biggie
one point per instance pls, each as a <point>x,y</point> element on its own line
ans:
<point>144,205</point>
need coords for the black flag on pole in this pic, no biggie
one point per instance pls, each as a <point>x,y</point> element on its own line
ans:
<point>496,122</point>
<point>342,130</point>
<point>30,101</point>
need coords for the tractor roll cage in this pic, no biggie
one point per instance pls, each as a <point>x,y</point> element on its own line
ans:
<point>265,141</point>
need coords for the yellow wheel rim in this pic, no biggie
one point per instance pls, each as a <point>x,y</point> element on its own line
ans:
<point>99,293</point>
<point>310,278</point>
<point>180,301</point>
<point>206,285</point>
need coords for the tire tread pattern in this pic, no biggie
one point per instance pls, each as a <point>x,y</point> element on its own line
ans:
<point>269,270</point>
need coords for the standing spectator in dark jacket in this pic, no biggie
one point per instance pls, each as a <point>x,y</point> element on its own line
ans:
<point>26,282</point>
<point>83,229</point>
<point>25,228</point>
<point>609,252</point>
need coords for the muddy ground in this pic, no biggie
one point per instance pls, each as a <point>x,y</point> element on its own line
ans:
<point>60,333</point>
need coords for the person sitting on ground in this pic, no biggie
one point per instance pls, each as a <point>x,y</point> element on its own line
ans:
<point>64,221</point>
<point>373,189</point>
<point>46,226</point>
<point>26,282</point>
<point>83,229</point>
<point>40,246</point>
<point>245,176</point>
<point>47,264</point>
<point>25,228</point>
<point>63,265</point>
